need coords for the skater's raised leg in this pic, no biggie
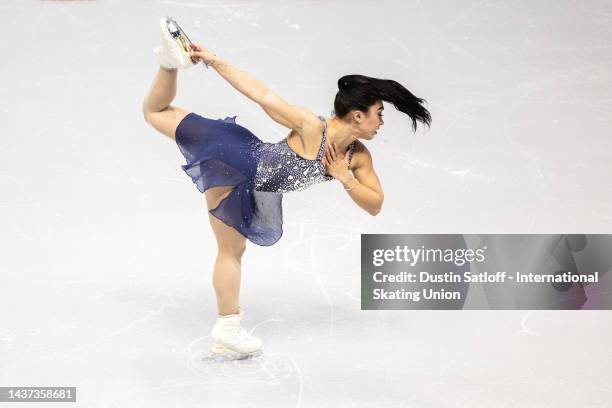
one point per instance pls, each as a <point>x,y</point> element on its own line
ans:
<point>156,107</point>
<point>172,54</point>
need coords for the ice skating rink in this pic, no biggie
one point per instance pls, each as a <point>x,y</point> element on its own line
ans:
<point>107,250</point>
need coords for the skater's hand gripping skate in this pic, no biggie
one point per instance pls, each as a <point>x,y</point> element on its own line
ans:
<point>336,163</point>
<point>199,53</point>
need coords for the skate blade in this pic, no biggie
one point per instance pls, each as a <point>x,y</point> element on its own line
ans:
<point>221,354</point>
<point>179,35</point>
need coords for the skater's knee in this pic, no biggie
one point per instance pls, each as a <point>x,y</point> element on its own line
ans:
<point>232,250</point>
<point>145,111</point>
<point>149,114</point>
<point>166,120</point>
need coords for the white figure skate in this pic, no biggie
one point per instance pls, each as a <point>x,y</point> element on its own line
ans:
<point>173,53</point>
<point>231,341</point>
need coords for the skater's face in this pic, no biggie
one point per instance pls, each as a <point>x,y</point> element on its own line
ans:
<point>371,121</point>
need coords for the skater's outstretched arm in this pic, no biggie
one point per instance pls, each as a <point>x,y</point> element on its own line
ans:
<point>290,116</point>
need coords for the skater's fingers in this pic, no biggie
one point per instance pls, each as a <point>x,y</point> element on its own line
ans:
<point>337,152</point>
<point>327,155</point>
<point>332,152</point>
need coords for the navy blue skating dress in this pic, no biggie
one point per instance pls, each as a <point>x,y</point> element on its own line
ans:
<point>219,152</point>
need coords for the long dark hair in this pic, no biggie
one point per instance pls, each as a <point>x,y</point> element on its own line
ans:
<point>360,92</point>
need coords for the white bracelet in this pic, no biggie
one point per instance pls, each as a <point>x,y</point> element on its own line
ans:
<point>210,63</point>
<point>353,186</point>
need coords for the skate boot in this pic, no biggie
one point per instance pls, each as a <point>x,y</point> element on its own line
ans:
<point>175,46</point>
<point>231,341</point>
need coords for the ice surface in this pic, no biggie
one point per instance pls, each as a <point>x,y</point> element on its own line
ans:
<point>107,250</point>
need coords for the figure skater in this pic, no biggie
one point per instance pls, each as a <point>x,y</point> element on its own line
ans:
<point>243,179</point>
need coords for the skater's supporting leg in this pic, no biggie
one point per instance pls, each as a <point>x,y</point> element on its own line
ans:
<point>228,335</point>
<point>156,107</point>
<point>231,246</point>
<point>226,281</point>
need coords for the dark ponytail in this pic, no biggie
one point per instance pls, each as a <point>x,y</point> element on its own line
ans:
<point>360,92</point>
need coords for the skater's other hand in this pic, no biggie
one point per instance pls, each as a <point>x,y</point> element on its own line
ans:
<point>336,163</point>
<point>199,53</point>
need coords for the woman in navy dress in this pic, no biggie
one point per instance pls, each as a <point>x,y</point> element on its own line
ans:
<point>244,179</point>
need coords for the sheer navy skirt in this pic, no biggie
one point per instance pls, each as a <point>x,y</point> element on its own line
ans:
<point>219,152</point>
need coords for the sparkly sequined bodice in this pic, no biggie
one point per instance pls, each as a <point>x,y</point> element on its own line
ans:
<point>281,170</point>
